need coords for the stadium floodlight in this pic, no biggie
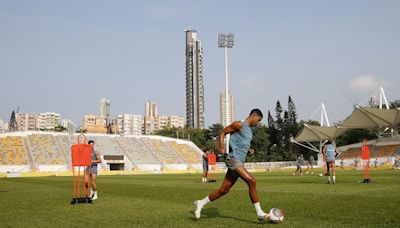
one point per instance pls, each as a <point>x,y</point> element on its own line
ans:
<point>226,41</point>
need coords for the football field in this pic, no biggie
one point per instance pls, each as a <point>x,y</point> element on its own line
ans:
<point>166,200</point>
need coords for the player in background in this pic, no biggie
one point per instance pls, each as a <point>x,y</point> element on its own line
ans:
<point>331,153</point>
<point>299,162</point>
<point>310,164</point>
<point>212,166</point>
<point>204,179</point>
<point>376,163</point>
<point>365,154</point>
<point>356,163</point>
<point>239,148</point>
<point>96,158</point>
<point>341,164</point>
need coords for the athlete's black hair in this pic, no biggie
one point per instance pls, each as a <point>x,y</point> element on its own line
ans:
<point>256,111</point>
<point>90,141</point>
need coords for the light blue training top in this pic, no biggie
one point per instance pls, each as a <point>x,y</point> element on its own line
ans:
<point>94,157</point>
<point>330,152</point>
<point>239,142</point>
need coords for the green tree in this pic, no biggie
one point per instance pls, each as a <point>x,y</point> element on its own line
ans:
<point>168,132</point>
<point>279,123</point>
<point>214,131</point>
<point>260,144</point>
<point>286,132</point>
<point>272,129</point>
<point>294,129</point>
<point>395,104</point>
<point>59,128</point>
<point>13,123</point>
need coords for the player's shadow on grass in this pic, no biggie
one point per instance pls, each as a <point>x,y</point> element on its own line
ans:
<point>242,220</point>
<point>208,213</point>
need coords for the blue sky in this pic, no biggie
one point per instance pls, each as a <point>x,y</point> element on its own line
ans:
<point>64,56</point>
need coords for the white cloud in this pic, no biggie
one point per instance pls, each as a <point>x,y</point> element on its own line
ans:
<point>366,83</point>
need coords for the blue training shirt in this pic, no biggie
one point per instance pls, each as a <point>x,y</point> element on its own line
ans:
<point>239,142</point>
<point>330,152</point>
<point>94,157</point>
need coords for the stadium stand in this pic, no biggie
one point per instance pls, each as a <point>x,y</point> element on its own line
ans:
<point>51,152</point>
<point>187,152</point>
<point>12,151</point>
<point>136,151</point>
<point>65,142</point>
<point>45,150</point>
<point>106,145</point>
<point>161,152</point>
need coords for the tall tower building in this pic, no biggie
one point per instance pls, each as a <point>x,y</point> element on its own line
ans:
<point>104,108</point>
<point>222,107</point>
<point>194,81</point>
<point>150,118</point>
<point>151,109</point>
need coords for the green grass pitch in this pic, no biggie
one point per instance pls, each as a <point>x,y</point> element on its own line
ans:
<point>167,201</point>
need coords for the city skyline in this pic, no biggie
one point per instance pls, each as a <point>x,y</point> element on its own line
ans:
<point>63,57</point>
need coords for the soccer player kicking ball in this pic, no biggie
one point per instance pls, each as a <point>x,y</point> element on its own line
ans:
<point>239,143</point>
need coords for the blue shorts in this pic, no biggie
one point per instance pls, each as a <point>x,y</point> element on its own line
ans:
<point>205,167</point>
<point>93,170</point>
<point>233,163</point>
<point>330,159</point>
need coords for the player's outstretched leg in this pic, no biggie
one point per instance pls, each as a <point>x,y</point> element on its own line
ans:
<point>229,181</point>
<point>251,183</point>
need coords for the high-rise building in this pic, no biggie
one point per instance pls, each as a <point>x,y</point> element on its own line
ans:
<point>149,122</point>
<point>151,109</point>
<point>95,124</point>
<point>194,81</point>
<point>105,108</point>
<point>164,121</point>
<point>49,120</point>
<point>27,121</point>
<point>222,107</point>
<point>176,121</point>
<point>129,124</point>
<point>161,122</point>
<point>3,126</point>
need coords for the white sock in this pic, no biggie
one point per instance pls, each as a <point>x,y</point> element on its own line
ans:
<point>259,211</point>
<point>204,201</point>
<point>94,193</point>
<point>334,179</point>
<point>329,178</point>
<point>91,192</point>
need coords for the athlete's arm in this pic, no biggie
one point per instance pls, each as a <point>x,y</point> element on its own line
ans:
<point>235,126</point>
<point>98,158</point>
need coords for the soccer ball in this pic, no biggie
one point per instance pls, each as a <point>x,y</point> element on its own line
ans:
<point>276,215</point>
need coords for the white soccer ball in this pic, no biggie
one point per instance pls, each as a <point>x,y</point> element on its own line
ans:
<point>276,215</point>
<point>320,174</point>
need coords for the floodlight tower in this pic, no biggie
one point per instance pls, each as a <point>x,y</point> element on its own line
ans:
<point>226,40</point>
